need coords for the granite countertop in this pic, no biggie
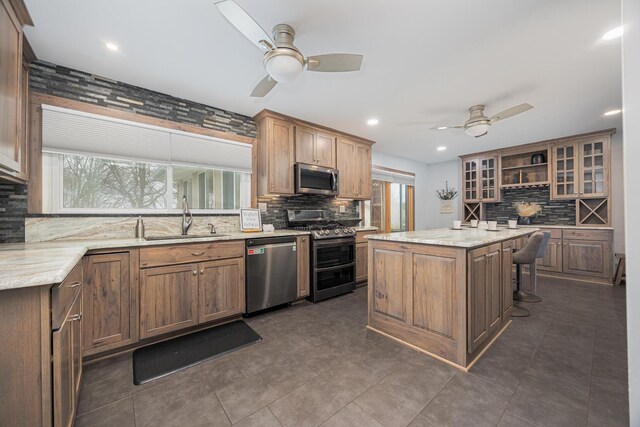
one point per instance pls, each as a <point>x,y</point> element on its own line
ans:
<point>572,227</point>
<point>464,238</point>
<point>45,263</point>
<point>366,228</point>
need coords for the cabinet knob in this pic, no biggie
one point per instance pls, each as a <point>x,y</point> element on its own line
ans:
<point>75,317</point>
<point>74,284</point>
<point>195,272</point>
<point>202,271</point>
<point>197,253</point>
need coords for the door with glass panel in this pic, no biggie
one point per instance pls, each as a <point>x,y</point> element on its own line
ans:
<point>488,179</point>
<point>565,171</point>
<point>471,193</point>
<point>593,172</point>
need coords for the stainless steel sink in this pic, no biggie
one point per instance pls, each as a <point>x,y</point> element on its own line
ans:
<point>181,237</point>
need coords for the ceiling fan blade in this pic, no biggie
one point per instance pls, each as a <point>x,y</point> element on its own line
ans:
<point>334,62</point>
<point>446,127</point>
<point>245,24</point>
<point>264,87</point>
<point>509,112</point>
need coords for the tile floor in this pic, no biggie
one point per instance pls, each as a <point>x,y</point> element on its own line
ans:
<point>317,365</point>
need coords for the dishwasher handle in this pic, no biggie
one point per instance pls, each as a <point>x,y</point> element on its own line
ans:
<point>273,245</point>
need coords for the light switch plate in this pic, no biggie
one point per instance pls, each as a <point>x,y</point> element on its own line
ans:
<point>262,207</point>
<point>343,209</point>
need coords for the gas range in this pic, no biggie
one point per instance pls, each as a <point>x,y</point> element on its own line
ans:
<point>320,226</point>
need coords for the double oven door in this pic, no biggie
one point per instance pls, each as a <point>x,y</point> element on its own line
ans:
<point>333,269</point>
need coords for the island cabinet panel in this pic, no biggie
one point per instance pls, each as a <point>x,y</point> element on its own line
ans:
<point>304,275</point>
<point>434,294</point>
<point>110,299</point>
<point>587,258</point>
<point>168,299</point>
<point>389,297</point>
<point>221,289</point>
<point>507,279</point>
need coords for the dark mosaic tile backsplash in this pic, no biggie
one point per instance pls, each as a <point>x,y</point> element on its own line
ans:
<point>77,85</point>
<point>13,209</point>
<point>277,207</point>
<point>560,212</point>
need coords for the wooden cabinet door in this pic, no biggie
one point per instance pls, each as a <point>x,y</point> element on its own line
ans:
<point>494,288</point>
<point>168,299</point>
<point>587,258</point>
<point>594,167</point>
<point>281,157</point>
<point>362,262</point>
<point>345,158</point>
<point>304,275</point>
<point>387,293</point>
<point>552,259</point>
<point>220,289</point>
<point>489,179</point>
<point>76,343</point>
<point>10,88</point>
<point>109,302</point>
<point>565,170</point>
<point>478,291</point>
<point>507,279</point>
<point>470,179</point>
<point>362,181</point>
<point>326,150</point>
<point>306,145</point>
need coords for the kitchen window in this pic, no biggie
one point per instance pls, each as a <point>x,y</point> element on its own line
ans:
<point>96,164</point>
<point>391,207</point>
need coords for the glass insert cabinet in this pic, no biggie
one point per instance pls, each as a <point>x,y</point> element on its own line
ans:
<point>480,179</point>
<point>581,168</point>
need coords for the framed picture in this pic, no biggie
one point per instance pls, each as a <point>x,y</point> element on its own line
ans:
<point>250,220</point>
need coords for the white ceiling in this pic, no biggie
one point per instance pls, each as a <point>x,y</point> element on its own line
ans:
<point>425,60</point>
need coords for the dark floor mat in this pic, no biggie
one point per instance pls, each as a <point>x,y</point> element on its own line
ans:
<point>164,358</point>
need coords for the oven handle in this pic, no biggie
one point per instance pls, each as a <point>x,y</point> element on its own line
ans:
<point>334,242</point>
<point>334,267</point>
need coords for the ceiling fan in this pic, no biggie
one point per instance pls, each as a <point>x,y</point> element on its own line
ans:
<point>282,60</point>
<point>478,124</point>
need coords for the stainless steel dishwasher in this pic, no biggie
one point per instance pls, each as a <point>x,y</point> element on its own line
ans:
<point>272,272</point>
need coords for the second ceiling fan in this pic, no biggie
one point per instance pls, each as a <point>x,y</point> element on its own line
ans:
<point>478,124</point>
<point>282,60</point>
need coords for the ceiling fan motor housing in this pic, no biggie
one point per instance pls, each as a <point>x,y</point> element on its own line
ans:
<point>284,63</point>
<point>478,124</point>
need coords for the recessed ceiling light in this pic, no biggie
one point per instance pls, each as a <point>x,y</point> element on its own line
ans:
<point>613,34</point>
<point>612,112</point>
<point>441,148</point>
<point>442,127</point>
<point>112,46</point>
<point>372,122</point>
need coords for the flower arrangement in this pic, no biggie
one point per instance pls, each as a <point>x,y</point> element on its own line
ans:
<point>447,193</point>
<point>527,210</point>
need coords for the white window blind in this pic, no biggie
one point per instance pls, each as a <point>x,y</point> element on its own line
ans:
<point>70,131</point>
<point>389,176</point>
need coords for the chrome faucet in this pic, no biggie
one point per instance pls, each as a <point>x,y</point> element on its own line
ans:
<point>186,222</point>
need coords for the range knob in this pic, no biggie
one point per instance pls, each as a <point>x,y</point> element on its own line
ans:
<point>336,231</point>
<point>326,232</point>
<point>345,230</point>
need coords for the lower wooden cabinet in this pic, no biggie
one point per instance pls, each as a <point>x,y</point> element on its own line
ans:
<point>362,262</point>
<point>67,365</point>
<point>304,274</point>
<point>221,289</point>
<point>507,278</point>
<point>552,260</point>
<point>587,258</point>
<point>110,301</point>
<point>168,299</point>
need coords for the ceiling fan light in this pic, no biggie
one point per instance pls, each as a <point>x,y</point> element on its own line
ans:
<point>477,129</point>
<point>283,68</point>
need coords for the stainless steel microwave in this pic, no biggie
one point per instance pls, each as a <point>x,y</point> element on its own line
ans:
<point>312,179</point>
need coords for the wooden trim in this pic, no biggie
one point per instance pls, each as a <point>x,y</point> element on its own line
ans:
<point>45,355</point>
<point>387,207</point>
<point>270,113</point>
<point>411,211</point>
<point>28,54</point>
<point>21,12</point>
<point>34,186</point>
<point>539,144</point>
<point>40,98</point>
<point>384,168</point>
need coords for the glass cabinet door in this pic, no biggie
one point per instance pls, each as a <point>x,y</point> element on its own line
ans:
<point>565,171</point>
<point>488,178</point>
<point>470,180</point>
<point>592,155</point>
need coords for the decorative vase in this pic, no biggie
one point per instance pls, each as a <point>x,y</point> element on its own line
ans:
<point>446,206</point>
<point>524,220</point>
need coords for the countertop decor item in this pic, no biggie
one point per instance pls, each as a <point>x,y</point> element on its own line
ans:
<point>250,220</point>
<point>446,197</point>
<point>526,211</point>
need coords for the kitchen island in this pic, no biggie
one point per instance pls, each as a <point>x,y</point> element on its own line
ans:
<point>447,293</point>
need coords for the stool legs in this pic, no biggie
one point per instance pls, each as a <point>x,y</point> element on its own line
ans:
<point>519,294</point>
<point>516,310</point>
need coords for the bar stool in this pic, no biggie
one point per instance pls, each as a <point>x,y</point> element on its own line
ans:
<point>526,255</point>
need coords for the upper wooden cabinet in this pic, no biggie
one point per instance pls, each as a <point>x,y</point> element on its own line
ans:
<point>354,166</point>
<point>315,147</point>
<point>481,179</point>
<point>284,141</point>
<point>13,93</point>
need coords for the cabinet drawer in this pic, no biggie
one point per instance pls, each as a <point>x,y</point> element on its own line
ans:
<point>601,235</point>
<point>167,255</point>
<point>63,295</point>
<point>360,235</point>
<point>556,233</point>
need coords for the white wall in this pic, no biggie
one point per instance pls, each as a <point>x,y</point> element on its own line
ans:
<point>437,175</point>
<point>617,192</point>
<point>631,125</point>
